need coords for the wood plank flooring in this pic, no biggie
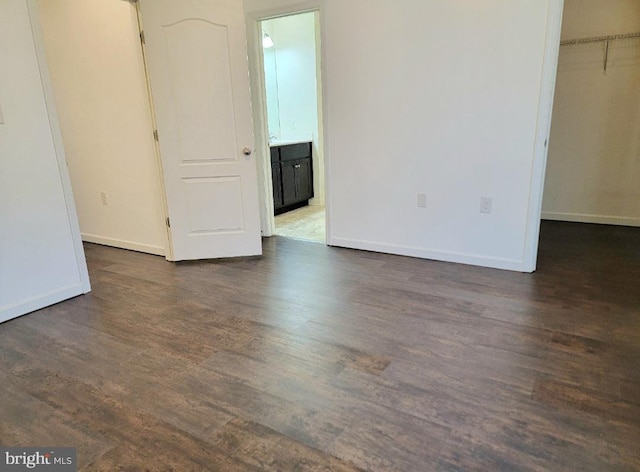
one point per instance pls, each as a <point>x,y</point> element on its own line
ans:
<point>313,358</point>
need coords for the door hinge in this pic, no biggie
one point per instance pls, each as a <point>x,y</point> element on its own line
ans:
<point>168,222</point>
<point>155,135</point>
<point>142,40</point>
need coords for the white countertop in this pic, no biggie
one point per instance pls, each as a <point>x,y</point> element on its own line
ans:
<point>284,142</point>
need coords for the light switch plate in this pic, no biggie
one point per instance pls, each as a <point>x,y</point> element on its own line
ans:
<point>1,116</point>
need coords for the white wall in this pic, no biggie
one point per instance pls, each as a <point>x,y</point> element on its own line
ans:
<point>271,89</point>
<point>99,83</point>
<point>437,97</point>
<point>39,262</point>
<point>293,61</point>
<point>294,40</point>
<point>593,170</point>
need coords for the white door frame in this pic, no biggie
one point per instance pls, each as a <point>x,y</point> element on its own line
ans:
<point>545,109</point>
<point>56,134</point>
<point>259,108</point>
<point>168,243</point>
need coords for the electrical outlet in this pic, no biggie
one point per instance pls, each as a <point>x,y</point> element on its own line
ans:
<point>486,204</point>
<point>422,200</point>
<point>103,198</point>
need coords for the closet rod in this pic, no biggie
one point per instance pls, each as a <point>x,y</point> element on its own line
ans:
<point>597,39</point>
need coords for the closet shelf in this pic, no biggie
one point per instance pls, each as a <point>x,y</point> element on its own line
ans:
<point>597,39</point>
<point>604,39</point>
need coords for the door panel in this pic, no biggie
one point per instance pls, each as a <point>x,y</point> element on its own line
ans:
<point>293,152</point>
<point>288,183</point>
<point>304,180</point>
<point>277,185</point>
<point>207,218</point>
<point>205,130</point>
<point>197,62</point>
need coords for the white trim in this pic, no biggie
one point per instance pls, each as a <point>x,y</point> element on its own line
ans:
<point>56,134</point>
<point>326,148</point>
<point>260,126</point>
<point>38,302</point>
<point>258,101</point>
<point>413,251</point>
<point>545,110</point>
<point>124,244</point>
<point>286,10</point>
<point>585,218</point>
<point>168,248</point>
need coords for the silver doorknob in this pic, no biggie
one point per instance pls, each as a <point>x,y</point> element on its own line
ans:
<point>247,151</point>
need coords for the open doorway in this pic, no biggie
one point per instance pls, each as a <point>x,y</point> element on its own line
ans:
<point>292,99</point>
<point>593,169</point>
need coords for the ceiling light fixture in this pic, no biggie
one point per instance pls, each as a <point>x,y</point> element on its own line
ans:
<point>267,42</point>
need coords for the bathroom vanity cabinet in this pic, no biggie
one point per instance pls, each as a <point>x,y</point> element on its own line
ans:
<point>292,173</point>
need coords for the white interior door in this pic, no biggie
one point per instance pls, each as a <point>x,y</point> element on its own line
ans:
<point>197,60</point>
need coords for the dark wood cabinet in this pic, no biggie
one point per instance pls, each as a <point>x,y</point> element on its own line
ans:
<point>277,189</point>
<point>292,173</point>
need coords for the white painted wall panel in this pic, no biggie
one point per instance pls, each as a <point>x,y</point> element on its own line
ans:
<point>436,97</point>
<point>39,264</point>
<point>98,78</point>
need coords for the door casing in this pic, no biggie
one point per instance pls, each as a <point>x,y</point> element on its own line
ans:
<point>258,102</point>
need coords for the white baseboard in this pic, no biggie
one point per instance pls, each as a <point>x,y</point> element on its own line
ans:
<point>422,253</point>
<point>584,218</point>
<point>39,301</point>
<point>123,244</point>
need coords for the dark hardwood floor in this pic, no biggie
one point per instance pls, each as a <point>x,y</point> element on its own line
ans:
<point>318,358</point>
